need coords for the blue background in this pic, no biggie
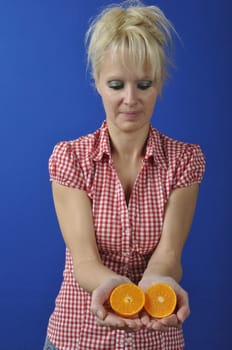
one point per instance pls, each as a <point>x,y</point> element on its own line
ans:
<point>46,96</point>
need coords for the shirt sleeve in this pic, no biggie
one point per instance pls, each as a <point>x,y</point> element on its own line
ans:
<point>64,166</point>
<point>190,168</point>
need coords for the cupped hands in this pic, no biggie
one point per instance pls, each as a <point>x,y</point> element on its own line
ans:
<point>105,316</point>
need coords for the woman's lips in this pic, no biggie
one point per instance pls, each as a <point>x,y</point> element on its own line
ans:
<point>130,114</point>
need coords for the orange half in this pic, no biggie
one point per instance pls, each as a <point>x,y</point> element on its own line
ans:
<point>160,300</point>
<point>127,299</point>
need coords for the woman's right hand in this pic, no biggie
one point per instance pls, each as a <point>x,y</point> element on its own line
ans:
<point>105,316</point>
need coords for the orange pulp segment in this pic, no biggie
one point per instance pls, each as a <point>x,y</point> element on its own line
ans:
<point>127,299</point>
<point>160,300</point>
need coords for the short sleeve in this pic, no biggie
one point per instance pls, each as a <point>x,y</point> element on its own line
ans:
<point>190,168</point>
<point>64,166</point>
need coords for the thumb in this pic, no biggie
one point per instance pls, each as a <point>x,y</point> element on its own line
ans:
<point>99,312</point>
<point>101,295</point>
<point>183,306</point>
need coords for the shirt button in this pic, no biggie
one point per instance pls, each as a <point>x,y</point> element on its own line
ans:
<point>128,340</point>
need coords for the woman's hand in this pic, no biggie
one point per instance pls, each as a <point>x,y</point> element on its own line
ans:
<point>182,311</point>
<point>101,309</point>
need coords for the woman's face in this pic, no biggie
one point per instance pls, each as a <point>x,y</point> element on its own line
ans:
<point>128,97</point>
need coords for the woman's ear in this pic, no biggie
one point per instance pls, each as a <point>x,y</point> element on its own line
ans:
<point>97,87</point>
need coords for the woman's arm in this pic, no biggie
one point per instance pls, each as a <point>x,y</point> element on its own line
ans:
<point>166,260</point>
<point>74,214</point>
<point>165,263</point>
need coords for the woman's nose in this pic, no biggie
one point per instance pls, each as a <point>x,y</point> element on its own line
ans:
<point>130,95</point>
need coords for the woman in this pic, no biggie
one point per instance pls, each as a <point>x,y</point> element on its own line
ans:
<point>124,195</point>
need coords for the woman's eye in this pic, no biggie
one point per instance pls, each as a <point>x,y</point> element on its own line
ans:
<point>115,84</point>
<point>144,84</point>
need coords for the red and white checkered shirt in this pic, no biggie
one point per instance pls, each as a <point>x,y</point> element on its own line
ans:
<point>126,235</point>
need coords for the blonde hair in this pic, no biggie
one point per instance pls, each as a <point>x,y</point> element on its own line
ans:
<point>131,27</point>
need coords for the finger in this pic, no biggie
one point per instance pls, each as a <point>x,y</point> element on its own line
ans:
<point>116,322</point>
<point>145,319</point>
<point>170,321</point>
<point>183,307</point>
<point>97,308</point>
<point>99,312</point>
<point>111,322</point>
<point>101,295</point>
<point>133,324</point>
<point>158,326</point>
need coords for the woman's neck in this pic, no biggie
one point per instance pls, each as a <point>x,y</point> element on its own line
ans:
<point>128,146</point>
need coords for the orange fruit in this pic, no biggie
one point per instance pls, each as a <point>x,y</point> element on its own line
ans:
<point>127,299</point>
<point>160,300</point>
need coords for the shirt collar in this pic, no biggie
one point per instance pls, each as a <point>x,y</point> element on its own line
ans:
<point>154,147</point>
<point>103,143</point>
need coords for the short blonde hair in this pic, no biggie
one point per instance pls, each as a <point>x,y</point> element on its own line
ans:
<point>131,27</point>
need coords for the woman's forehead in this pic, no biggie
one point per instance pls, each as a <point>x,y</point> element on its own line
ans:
<point>117,62</point>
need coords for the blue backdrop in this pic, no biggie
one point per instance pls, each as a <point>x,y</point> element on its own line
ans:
<point>45,97</point>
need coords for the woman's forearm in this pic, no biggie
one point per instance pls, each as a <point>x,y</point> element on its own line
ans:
<point>166,259</point>
<point>168,266</point>
<point>91,273</point>
<point>74,213</point>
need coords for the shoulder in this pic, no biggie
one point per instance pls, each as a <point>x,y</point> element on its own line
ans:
<point>70,161</point>
<point>173,150</point>
<point>81,148</point>
<point>184,162</point>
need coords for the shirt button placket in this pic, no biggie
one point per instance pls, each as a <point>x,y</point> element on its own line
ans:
<point>126,343</point>
<point>126,260</point>
<point>126,252</point>
<point>129,342</point>
<point>127,233</point>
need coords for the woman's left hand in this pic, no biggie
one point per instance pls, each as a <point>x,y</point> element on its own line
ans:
<point>174,320</point>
